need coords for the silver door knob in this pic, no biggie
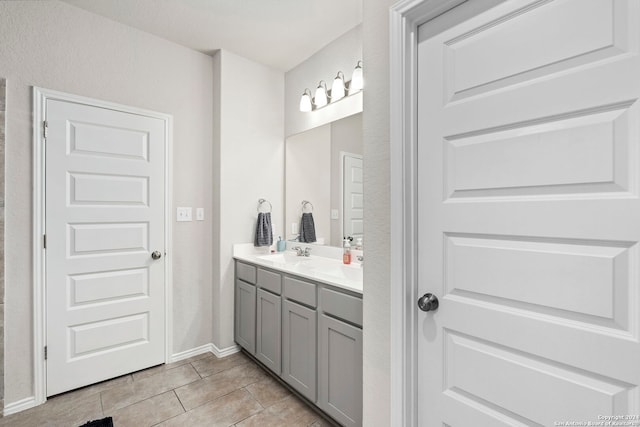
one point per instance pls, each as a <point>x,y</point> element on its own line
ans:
<point>428,302</point>
<point>156,255</point>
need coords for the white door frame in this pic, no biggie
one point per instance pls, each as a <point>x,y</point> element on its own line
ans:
<point>344,154</point>
<point>40,97</point>
<point>405,18</point>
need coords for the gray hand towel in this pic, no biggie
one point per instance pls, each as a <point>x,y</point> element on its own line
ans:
<point>307,228</point>
<point>264,234</point>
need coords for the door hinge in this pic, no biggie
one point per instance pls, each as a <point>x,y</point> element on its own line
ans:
<point>45,127</point>
<point>44,241</point>
<point>45,352</point>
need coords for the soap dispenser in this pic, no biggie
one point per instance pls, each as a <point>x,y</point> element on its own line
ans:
<point>281,245</point>
<point>346,253</point>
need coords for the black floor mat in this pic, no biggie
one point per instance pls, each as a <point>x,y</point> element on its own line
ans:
<point>105,422</point>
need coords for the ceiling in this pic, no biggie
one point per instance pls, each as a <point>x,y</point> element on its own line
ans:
<point>277,33</point>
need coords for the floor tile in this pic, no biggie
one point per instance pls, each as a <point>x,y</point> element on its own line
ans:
<point>102,386</point>
<point>224,411</point>
<point>213,365</point>
<point>148,412</point>
<point>323,423</point>
<point>289,411</point>
<point>61,411</point>
<point>215,386</point>
<point>236,393</point>
<point>145,373</point>
<point>136,391</point>
<point>268,391</point>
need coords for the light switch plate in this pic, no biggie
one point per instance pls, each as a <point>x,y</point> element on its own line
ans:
<point>184,214</point>
<point>335,214</point>
<point>200,214</point>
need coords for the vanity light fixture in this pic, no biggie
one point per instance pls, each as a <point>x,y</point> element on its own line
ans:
<point>321,98</point>
<point>305,101</point>
<point>357,82</point>
<point>338,88</point>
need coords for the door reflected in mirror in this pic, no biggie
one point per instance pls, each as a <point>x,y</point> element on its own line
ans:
<point>324,167</point>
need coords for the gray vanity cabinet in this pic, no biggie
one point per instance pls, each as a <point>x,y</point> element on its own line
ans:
<point>245,307</point>
<point>299,336</point>
<point>269,320</point>
<point>340,370</point>
<point>308,333</point>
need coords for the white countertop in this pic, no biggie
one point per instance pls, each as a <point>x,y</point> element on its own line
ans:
<point>324,265</point>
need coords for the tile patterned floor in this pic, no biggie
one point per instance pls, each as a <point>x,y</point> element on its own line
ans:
<point>200,391</point>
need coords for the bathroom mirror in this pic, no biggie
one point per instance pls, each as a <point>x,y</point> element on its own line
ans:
<point>324,167</point>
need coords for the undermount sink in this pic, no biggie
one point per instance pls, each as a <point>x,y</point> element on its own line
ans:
<point>317,266</point>
<point>283,258</point>
<point>350,272</point>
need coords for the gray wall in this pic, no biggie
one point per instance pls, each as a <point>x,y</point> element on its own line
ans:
<point>58,46</point>
<point>377,217</point>
<point>2,114</point>
<point>224,107</point>
<point>249,166</point>
<point>342,54</point>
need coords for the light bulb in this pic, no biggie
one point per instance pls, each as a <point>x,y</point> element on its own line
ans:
<point>305,101</point>
<point>337,89</point>
<point>356,79</point>
<point>320,100</point>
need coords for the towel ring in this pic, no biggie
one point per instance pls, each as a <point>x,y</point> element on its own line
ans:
<point>263,201</point>
<point>306,203</point>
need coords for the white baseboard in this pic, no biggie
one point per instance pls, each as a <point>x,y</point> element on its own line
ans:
<point>207,348</point>
<point>176,357</point>
<point>20,405</point>
<point>225,351</point>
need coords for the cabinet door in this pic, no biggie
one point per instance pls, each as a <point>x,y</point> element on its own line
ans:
<point>245,316</point>
<point>299,348</point>
<point>268,332</point>
<point>340,376</point>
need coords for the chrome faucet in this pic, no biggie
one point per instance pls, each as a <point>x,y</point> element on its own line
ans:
<point>302,251</point>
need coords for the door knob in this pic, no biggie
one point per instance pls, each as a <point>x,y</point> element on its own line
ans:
<point>156,255</point>
<point>428,302</point>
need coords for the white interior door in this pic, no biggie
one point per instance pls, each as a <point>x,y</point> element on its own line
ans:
<point>104,218</point>
<point>353,195</point>
<point>529,217</point>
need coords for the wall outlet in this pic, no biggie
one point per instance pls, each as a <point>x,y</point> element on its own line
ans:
<point>200,214</point>
<point>184,214</point>
<point>294,228</point>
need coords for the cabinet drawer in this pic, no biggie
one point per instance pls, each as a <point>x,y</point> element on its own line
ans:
<point>246,272</point>
<point>270,281</point>
<point>342,306</point>
<point>301,291</point>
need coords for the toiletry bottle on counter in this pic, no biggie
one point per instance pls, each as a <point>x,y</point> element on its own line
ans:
<point>359,244</point>
<point>281,246</point>
<point>346,254</point>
